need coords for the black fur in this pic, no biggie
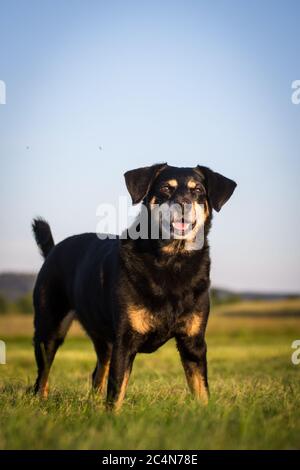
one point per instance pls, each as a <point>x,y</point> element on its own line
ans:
<point>43,236</point>
<point>130,295</point>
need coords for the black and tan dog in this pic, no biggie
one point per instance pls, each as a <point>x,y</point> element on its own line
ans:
<point>130,295</point>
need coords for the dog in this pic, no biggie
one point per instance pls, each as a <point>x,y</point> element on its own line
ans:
<point>133,295</point>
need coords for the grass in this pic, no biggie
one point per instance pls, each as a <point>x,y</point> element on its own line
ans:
<point>255,393</point>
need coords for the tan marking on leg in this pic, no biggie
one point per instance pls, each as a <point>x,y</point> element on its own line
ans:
<point>118,403</point>
<point>43,383</point>
<point>65,324</point>
<point>44,389</point>
<point>196,383</point>
<point>101,376</point>
<point>173,183</point>
<point>193,324</point>
<point>141,320</point>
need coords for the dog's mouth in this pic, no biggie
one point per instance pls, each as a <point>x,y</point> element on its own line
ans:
<point>180,228</point>
<point>175,223</point>
<point>183,227</point>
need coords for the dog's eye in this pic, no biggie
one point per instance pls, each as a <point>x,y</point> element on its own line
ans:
<point>165,188</point>
<point>198,190</point>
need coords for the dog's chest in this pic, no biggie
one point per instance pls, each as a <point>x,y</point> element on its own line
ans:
<point>155,328</point>
<point>158,309</point>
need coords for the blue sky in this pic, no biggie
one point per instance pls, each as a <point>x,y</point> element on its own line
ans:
<point>188,82</point>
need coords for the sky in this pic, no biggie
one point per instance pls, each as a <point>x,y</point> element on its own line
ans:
<point>95,88</point>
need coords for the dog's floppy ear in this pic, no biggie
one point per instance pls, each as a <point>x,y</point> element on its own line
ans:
<point>219,187</point>
<point>139,181</point>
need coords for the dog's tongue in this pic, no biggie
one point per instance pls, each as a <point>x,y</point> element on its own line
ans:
<point>182,226</point>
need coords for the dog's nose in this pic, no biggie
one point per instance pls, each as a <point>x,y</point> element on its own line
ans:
<point>184,200</point>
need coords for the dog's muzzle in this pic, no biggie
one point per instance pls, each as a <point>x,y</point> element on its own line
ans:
<point>178,220</point>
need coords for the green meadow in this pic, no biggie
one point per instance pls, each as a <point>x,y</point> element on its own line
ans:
<point>255,390</point>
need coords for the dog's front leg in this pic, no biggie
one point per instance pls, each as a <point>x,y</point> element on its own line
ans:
<point>193,356</point>
<point>119,373</point>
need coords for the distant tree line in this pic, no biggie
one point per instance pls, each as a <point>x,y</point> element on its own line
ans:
<point>218,297</point>
<point>21,305</point>
<point>24,305</point>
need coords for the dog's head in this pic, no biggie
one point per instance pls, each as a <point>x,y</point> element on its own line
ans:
<point>187,195</point>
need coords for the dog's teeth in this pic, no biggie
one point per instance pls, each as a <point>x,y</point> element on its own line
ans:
<point>181,225</point>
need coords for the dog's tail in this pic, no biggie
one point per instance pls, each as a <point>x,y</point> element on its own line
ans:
<point>43,236</point>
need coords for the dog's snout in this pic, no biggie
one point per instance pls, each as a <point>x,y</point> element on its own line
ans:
<point>184,200</point>
<point>182,209</point>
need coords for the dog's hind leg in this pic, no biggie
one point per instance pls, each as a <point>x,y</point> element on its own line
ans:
<point>119,373</point>
<point>100,374</point>
<point>44,354</point>
<point>49,335</point>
